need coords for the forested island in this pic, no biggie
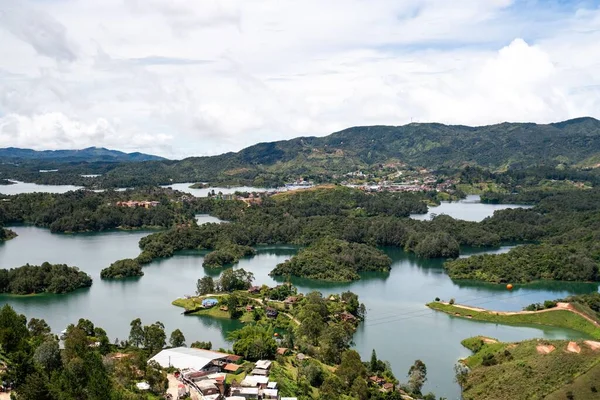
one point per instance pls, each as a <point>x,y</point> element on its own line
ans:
<point>122,269</point>
<point>7,234</point>
<point>46,278</point>
<point>84,210</point>
<point>334,260</point>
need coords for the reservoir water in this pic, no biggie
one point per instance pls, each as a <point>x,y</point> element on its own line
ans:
<point>398,325</point>
<point>468,209</point>
<point>23,187</point>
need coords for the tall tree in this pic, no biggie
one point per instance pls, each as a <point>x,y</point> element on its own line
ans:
<point>136,333</point>
<point>205,285</point>
<point>417,376</point>
<point>154,337</point>
<point>177,339</point>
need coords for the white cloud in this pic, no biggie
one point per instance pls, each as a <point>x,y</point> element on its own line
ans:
<point>185,78</point>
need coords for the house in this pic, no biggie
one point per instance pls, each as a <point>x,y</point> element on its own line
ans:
<point>271,312</point>
<point>300,356</point>
<point>270,394</point>
<point>245,392</point>
<point>282,351</point>
<point>202,362</point>
<point>388,387</point>
<point>232,358</point>
<point>259,372</point>
<point>255,381</point>
<point>142,386</point>
<point>377,380</point>
<point>208,303</point>
<point>272,385</point>
<point>254,289</point>
<point>233,368</point>
<point>207,387</point>
<point>346,316</point>
<point>249,307</point>
<point>263,364</point>
<point>290,300</point>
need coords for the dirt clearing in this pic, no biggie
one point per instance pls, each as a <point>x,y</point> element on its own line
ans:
<point>573,347</point>
<point>545,349</point>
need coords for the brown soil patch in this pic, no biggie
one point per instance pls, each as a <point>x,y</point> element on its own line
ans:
<point>592,345</point>
<point>488,340</point>
<point>573,347</point>
<point>511,346</point>
<point>543,349</point>
<point>566,306</point>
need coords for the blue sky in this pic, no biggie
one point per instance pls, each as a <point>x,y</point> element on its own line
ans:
<point>180,78</point>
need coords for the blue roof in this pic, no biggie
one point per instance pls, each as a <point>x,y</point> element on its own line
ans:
<point>209,302</point>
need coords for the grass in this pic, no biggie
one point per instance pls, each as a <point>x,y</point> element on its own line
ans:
<point>582,387</point>
<point>518,371</point>
<point>557,318</point>
<point>213,312</point>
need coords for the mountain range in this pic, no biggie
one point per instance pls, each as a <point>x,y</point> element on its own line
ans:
<point>574,143</point>
<point>90,154</point>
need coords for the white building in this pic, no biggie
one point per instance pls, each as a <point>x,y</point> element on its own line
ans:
<point>189,358</point>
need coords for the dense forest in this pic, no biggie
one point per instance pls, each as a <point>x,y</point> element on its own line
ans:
<point>46,278</point>
<point>561,229</point>
<point>6,234</point>
<point>334,260</point>
<point>84,210</point>
<point>122,269</point>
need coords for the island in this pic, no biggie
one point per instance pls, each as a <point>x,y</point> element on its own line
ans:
<point>122,269</point>
<point>46,278</point>
<point>7,234</point>
<point>334,260</point>
<point>89,211</point>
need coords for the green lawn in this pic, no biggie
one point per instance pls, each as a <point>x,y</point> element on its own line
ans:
<point>558,318</point>
<point>214,312</point>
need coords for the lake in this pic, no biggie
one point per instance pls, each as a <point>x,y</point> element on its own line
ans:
<point>468,209</point>
<point>23,187</point>
<point>185,187</point>
<point>398,325</point>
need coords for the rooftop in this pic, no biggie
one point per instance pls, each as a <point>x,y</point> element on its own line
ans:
<point>184,357</point>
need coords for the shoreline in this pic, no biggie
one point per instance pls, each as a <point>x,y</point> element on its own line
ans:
<point>564,316</point>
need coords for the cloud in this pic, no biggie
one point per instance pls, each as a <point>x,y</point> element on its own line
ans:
<point>38,29</point>
<point>193,78</point>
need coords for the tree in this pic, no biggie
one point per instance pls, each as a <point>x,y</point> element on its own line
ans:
<point>38,327</point>
<point>238,279</point>
<point>47,355</point>
<point>13,329</point>
<point>205,285</point>
<point>359,389</point>
<point>136,333</point>
<point>177,339</point>
<point>373,365</point>
<point>35,388</point>
<point>334,340</point>
<point>254,342</point>
<point>202,345</point>
<point>417,376</point>
<point>311,326</point>
<point>77,344</point>
<point>154,337</point>
<point>233,302</point>
<point>351,368</point>
<point>87,326</point>
<point>332,387</point>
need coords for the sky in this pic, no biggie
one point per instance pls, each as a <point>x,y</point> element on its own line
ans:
<point>183,78</point>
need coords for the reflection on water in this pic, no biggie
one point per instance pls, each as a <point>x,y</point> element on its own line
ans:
<point>398,325</point>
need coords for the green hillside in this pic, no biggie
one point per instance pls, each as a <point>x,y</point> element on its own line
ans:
<point>429,145</point>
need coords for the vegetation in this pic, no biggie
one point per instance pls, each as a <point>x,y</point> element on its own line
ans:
<point>334,260</point>
<point>47,278</point>
<point>227,255</point>
<point>84,369</point>
<point>80,211</point>
<point>325,158</point>
<point>518,371</point>
<point>254,342</point>
<point>122,269</point>
<point>6,234</point>
<point>559,318</point>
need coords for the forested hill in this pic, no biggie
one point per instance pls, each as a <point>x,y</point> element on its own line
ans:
<point>90,154</point>
<point>430,145</point>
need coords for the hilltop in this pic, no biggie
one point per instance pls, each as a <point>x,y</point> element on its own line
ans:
<point>431,145</point>
<point>90,154</point>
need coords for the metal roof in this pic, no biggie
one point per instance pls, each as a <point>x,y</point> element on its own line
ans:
<point>184,357</point>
